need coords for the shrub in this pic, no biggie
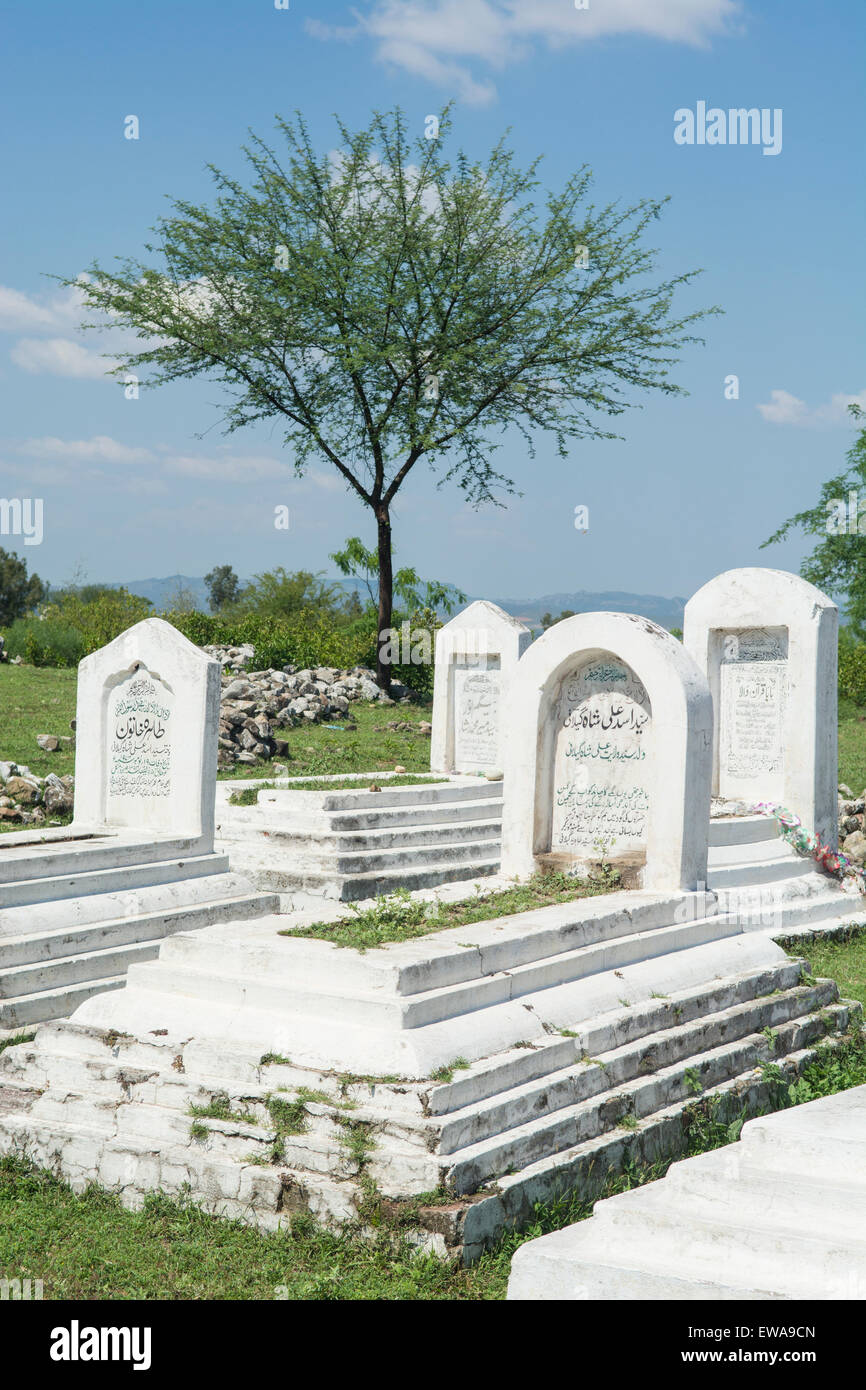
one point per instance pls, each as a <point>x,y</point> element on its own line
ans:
<point>305,639</point>
<point>852,668</point>
<point>45,642</point>
<point>101,619</point>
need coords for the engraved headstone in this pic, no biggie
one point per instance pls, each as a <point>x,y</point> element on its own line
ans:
<point>601,764</point>
<point>476,653</point>
<point>767,641</point>
<point>608,753</point>
<point>146,735</point>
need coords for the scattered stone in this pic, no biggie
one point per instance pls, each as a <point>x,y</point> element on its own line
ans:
<point>49,743</point>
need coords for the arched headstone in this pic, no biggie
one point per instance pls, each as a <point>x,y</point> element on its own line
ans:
<point>609,753</point>
<point>146,735</point>
<point>767,641</point>
<point>476,654</point>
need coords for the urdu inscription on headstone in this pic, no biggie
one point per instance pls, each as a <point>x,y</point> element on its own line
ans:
<point>753,688</point>
<point>601,765</point>
<point>139,730</point>
<point>477,693</point>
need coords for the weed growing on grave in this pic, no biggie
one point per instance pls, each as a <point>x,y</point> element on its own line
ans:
<point>274,1059</point>
<point>400,917</point>
<point>219,1108</point>
<point>446,1073</point>
<point>14,1041</point>
<point>198,1131</point>
<point>693,1081</point>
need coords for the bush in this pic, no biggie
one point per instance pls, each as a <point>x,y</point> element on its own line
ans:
<point>306,639</point>
<point>852,668</point>
<point>101,619</point>
<point>45,642</point>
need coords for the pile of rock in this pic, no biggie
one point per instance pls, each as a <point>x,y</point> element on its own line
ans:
<point>235,658</point>
<point>852,813</point>
<point>26,799</point>
<point>258,705</point>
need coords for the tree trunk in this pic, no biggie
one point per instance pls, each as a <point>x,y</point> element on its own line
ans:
<point>386,599</point>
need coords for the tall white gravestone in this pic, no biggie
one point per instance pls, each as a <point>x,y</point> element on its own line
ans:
<point>80,903</point>
<point>767,641</point>
<point>476,654</point>
<point>146,736</point>
<point>609,752</point>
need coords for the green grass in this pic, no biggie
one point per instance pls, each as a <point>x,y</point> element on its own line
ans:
<point>852,746</point>
<point>842,961</point>
<point>400,917</point>
<point>317,751</point>
<point>36,700</point>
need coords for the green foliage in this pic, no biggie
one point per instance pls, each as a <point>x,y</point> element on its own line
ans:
<point>838,562</point>
<point>45,642</point>
<point>280,593</point>
<point>20,593</point>
<point>392,305</point>
<point>359,562</point>
<point>305,639</point>
<point>98,620</point>
<point>223,587</point>
<point>852,667</point>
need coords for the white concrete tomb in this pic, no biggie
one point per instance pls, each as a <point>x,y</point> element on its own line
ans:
<point>146,735</point>
<point>608,753</point>
<point>767,641</point>
<point>476,654</point>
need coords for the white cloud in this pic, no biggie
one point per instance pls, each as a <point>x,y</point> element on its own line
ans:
<point>60,357</point>
<point>438,41</point>
<point>21,313</point>
<point>229,468</point>
<point>785,409</point>
<point>101,446</point>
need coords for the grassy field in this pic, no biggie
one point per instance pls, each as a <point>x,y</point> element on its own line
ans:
<point>852,746</point>
<point>36,700</point>
<point>41,700</point>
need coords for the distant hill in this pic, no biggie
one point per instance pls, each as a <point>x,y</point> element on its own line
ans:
<point>666,611</point>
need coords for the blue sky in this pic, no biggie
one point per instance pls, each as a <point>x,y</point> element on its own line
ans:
<point>151,487</point>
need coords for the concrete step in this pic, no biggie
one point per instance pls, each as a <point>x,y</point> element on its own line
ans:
<point>776,870</point>
<point>21,980</point>
<point>780,1214</point>
<point>428,839</point>
<point>59,1002</point>
<point>83,881</point>
<point>356,887</point>
<point>647,1055</point>
<point>185,968</point>
<point>44,945</point>
<point>439,793</point>
<point>567,1128</point>
<point>741,830</point>
<point>53,856</point>
<point>353,863</point>
<point>459,812</point>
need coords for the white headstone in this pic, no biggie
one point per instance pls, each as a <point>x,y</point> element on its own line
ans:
<point>147,721</point>
<point>476,654</point>
<point>767,641</point>
<point>608,752</point>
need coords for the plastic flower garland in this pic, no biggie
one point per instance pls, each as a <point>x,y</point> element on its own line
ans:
<point>832,861</point>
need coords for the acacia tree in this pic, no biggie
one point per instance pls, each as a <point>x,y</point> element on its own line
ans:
<point>389,306</point>
<point>838,562</point>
